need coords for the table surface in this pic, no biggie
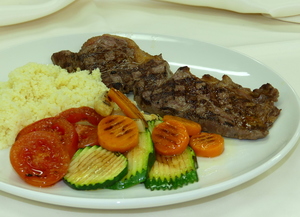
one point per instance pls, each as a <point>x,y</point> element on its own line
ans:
<point>274,43</point>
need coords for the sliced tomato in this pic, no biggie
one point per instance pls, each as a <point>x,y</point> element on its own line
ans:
<point>39,158</point>
<point>60,126</point>
<point>74,115</point>
<point>87,135</point>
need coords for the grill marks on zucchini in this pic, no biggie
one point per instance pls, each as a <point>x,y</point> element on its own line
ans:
<point>140,161</point>
<point>94,167</point>
<point>172,172</point>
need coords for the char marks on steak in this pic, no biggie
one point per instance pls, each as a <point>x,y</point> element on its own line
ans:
<point>220,106</point>
<point>119,59</point>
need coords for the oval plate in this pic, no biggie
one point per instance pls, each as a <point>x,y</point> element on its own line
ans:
<point>241,161</point>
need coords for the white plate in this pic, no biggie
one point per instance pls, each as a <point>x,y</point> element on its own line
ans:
<point>241,161</point>
<point>19,11</point>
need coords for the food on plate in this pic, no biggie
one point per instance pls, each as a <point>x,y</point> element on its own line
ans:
<point>126,105</point>
<point>85,120</point>
<point>35,91</point>
<point>87,135</point>
<point>103,106</point>
<point>40,158</point>
<point>63,128</point>
<point>119,59</point>
<point>94,167</point>
<point>172,172</point>
<point>83,113</point>
<point>170,138</point>
<point>98,148</point>
<point>219,106</point>
<point>118,133</point>
<point>122,156</point>
<point>207,144</point>
<point>192,127</point>
<point>89,170</point>
<point>140,161</point>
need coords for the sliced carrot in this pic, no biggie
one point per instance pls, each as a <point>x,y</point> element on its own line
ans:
<point>170,138</point>
<point>128,108</point>
<point>118,133</point>
<point>207,144</point>
<point>192,127</point>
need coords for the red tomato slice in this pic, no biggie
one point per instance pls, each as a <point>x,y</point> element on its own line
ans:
<point>61,126</point>
<point>39,158</point>
<point>74,115</point>
<point>87,135</point>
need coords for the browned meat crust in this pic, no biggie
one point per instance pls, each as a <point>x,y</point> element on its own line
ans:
<point>220,106</point>
<point>119,59</point>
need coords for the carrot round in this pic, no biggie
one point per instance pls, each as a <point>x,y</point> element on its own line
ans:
<point>128,108</point>
<point>192,127</point>
<point>118,133</point>
<point>170,138</point>
<point>207,144</point>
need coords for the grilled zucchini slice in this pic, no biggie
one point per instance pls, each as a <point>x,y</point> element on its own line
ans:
<point>140,161</point>
<point>153,123</point>
<point>172,172</point>
<point>95,167</point>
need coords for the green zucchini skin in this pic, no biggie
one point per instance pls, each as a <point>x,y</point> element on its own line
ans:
<point>140,165</point>
<point>153,123</point>
<point>94,167</point>
<point>140,160</point>
<point>173,172</point>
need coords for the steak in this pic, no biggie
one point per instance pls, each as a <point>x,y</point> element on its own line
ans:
<point>119,59</point>
<point>220,106</point>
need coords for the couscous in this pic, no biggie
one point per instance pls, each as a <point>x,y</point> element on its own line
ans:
<point>35,91</point>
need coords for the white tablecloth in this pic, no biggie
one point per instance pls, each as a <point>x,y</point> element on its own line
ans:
<point>274,8</point>
<point>274,43</point>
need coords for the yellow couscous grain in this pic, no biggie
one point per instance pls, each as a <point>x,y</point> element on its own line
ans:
<point>35,91</point>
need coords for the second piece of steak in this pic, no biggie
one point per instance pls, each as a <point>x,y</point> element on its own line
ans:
<point>220,106</point>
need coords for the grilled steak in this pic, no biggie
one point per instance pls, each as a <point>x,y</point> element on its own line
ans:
<point>119,59</point>
<point>220,106</point>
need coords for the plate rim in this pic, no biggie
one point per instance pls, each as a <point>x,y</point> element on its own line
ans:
<point>127,203</point>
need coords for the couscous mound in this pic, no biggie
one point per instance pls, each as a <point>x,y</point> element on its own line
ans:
<point>35,91</point>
